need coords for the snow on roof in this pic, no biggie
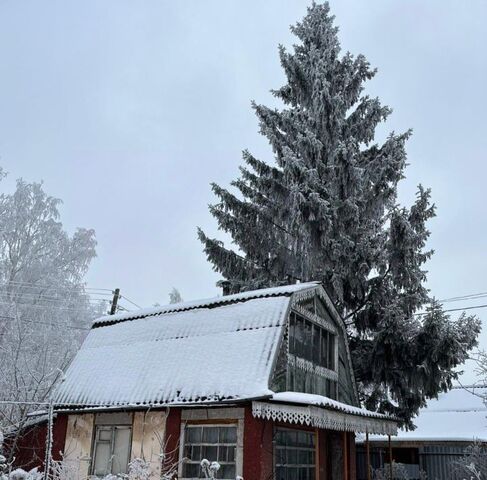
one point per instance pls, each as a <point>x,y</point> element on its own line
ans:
<point>321,401</point>
<point>285,290</point>
<point>184,353</point>
<point>458,415</point>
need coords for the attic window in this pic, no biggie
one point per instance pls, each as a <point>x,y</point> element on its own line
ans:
<point>311,342</point>
<point>311,361</point>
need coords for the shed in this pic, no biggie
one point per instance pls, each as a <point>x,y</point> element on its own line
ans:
<point>444,429</point>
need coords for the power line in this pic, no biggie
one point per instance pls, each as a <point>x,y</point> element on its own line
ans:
<point>130,301</point>
<point>51,324</point>
<point>42,306</point>
<point>22,290</point>
<point>48,292</point>
<point>41,285</point>
<point>33,297</point>
<point>456,309</point>
<point>471,296</point>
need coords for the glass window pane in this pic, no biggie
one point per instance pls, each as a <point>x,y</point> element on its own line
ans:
<point>226,472</point>
<point>290,437</point>
<point>121,449</point>
<point>291,386</point>
<point>210,434</point>
<point>102,459</point>
<point>324,348</point>
<point>302,337</point>
<point>222,454</point>
<point>187,451</point>
<point>299,380</point>
<point>228,434</point>
<point>307,341</point>
<point>280,456</point>
<point>292,456</point>
<point>191,470</point>
<point>196,453</point>
<point>316,345</point>
<point>193,434</point>
<point>210,453</point>
<point>305,439</point>
<point>281,473</point>
<point>331,352</point>
<point>292,333</point>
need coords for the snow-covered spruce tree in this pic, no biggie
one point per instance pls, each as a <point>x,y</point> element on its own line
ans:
<point>326,209</point>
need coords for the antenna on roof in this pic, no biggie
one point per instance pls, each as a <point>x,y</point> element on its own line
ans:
<point>116,296</point>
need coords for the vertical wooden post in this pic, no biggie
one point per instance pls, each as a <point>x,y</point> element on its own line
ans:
<point>367,447</point>
<point>390,457</point>
<point>116,296</point>
<point>317,454</point>
<point>49,440</point>
<point>345,456</point>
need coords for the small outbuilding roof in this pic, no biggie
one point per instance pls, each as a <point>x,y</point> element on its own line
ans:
<point>459,415</point>
<point>201,351</point>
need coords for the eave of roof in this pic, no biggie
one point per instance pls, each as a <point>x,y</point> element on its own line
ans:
<point>327,403</point>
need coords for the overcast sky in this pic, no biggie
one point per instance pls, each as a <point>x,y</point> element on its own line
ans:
<point>127,110</point>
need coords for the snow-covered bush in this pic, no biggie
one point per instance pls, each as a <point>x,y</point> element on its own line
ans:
<point>20,474</point>
<point>139,469</point>
<point>473,465</point>
<point>209,468</point>
<point>62,470</point>
<point>399,472</point>
<point>3,468</point>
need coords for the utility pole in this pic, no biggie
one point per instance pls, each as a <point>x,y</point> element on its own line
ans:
<point>116,296</point>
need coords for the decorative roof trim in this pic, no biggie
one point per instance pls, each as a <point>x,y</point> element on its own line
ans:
<point>323,418</point>
<point>308,366</point>
<point>314,318</point>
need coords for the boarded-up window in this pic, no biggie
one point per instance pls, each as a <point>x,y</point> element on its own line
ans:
<point>215,443</point>
<point>111,449</point>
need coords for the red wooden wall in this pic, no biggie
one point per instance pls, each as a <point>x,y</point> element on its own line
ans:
<point>30,449</point>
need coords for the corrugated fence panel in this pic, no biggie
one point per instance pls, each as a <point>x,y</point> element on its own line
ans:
<point>437,460</point>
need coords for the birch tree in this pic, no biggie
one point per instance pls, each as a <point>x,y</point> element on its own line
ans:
<point>44,310</point>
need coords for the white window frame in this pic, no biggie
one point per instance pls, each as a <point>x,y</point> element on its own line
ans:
<point>213,417</point>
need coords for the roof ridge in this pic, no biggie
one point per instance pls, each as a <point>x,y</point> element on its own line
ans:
<point>466,387</point>
<point>215,302</point>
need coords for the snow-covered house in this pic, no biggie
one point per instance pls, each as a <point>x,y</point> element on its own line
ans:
<point>260,382</point>
<point>445,428</point>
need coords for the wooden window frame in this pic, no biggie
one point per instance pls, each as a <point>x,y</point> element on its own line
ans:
<point>214,417</point>
<point>313,432</point>
<point>111,442</point>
